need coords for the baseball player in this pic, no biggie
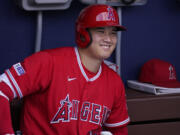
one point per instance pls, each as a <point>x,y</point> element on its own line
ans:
<point>69,90</point>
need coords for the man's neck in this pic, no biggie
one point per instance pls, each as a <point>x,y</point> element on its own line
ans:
<point>89,62</point>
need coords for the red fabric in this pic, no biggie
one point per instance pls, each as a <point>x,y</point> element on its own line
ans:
<point>95,132</point>
<point>5,117</point>
<point>6,90</point>
<point>160,73</point>
<point>57,95</point>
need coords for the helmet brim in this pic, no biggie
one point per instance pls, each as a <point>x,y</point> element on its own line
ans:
<point>119,27</point>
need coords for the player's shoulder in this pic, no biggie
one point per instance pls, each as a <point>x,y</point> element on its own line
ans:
<point>113,79</point>
<point>111,72</point>
<point>49,54</point>
<point>109,69</point>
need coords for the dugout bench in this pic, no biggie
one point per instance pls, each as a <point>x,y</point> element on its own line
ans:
<point>152,114</point>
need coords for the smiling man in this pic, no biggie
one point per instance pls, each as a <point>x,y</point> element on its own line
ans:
<point>103,43</point>
<point>70,90</point>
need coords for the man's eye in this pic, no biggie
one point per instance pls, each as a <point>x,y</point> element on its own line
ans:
<point>114,32</point>
<point>100,31</point>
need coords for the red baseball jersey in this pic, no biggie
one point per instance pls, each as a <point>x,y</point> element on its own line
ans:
<point>61,97</point>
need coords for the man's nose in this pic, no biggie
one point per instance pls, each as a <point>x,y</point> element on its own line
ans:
<point>107,38</point>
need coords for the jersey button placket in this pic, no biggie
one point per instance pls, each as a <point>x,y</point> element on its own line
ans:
<point>84,96</point>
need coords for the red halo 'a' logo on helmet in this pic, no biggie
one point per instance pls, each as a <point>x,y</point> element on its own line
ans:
<point>110,14</point>
<point>106,16</point>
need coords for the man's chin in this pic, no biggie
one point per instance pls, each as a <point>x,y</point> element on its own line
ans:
<point>105,56</point>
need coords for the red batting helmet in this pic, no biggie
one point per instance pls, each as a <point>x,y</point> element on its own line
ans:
<point>98,15</point>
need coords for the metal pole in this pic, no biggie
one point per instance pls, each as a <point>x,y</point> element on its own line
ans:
<point>38,32</point>
<point>118,48</point>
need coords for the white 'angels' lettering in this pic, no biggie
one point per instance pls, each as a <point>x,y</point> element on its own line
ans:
<point>90,112</point>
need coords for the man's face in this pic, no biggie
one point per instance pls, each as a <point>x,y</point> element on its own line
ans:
<point>104,41</point>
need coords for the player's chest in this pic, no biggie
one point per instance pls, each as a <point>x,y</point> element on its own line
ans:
<point>82,101</point>
<point>79,94</point>
<point>78,88</point>
<point>72,81</point>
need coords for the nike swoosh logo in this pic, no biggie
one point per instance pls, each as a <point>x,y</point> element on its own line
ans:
<point>71,79</point>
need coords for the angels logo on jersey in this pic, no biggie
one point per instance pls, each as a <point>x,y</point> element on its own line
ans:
<point>63,112</point>
<point>90,112</point>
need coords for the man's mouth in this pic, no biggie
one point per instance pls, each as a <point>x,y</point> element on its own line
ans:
<point>105,46</point>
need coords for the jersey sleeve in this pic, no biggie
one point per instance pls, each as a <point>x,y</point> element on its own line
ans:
<point>118,116</point>
<point>29,76</point>
<point>5,116</point>
<point>24,78</point>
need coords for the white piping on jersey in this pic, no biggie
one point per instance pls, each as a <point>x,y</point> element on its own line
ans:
<point>5,79</point>
<point>2,94</point>
<point>82,69</point>
<point>15,83</point>
<point>117,124</point>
